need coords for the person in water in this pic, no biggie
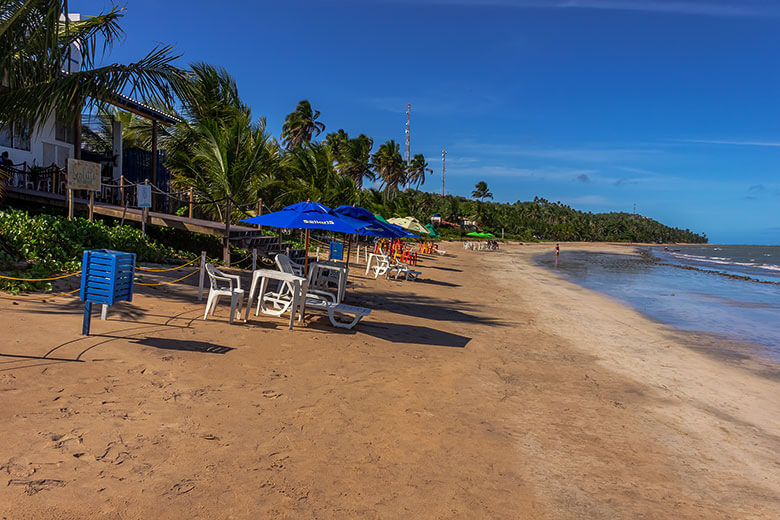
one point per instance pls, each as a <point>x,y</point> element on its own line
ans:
<point>557,250</point>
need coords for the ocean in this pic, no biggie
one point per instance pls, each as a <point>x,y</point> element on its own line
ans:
<point>730,291</point>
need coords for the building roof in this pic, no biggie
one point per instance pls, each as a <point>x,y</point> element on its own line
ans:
<point>138,108</point>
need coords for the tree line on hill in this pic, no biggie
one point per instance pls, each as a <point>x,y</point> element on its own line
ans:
<point>221,151</point>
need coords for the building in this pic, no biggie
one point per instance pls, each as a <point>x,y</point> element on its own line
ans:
<point>52,142</point>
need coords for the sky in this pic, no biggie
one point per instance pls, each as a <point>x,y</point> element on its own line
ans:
<point>600,104</point>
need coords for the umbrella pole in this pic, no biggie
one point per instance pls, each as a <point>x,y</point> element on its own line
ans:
<point>349,248</point>
<point>306,258</point>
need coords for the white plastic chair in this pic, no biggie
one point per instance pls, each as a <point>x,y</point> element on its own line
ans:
<point>233,289</point>
<point>286,265</point>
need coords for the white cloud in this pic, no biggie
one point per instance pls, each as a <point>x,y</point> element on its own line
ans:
<point>690,7</point>
<point>581,154</point>
<point>589,200</point>
<point>730,142</point>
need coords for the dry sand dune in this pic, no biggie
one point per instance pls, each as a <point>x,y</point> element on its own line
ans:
<point>490,389</point>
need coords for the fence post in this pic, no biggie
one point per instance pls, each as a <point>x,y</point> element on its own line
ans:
<point>91,205</point>
<point>202,274</point>
<point>121,190</point>
<point>226,240</point>
<point>144,216</point>
<point>254,259</point>
<point>190,213</point>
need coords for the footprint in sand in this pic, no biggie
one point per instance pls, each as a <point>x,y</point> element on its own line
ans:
<point>34,486</point>
<point>271,394</point>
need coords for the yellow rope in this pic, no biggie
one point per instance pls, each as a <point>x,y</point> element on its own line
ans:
<point>239,261</point>
<point>139,268</point>
<point>168,283</point>
<point>40,279</point>
<point>40,297</point>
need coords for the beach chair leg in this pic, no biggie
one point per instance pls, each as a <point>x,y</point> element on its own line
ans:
<point>341,324</point>
<point>209,303</point>
<point>233,303</point>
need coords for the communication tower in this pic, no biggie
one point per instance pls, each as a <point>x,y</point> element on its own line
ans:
<point>408,135</point>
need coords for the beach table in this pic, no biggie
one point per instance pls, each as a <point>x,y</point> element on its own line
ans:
<point>260,279</point>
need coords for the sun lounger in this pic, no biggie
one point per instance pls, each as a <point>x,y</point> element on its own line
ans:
<point>334,310</point>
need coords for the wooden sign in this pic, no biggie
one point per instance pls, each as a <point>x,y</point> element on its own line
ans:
<point>83,175</point>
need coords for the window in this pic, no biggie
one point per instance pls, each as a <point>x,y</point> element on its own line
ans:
<point>12,136</point>
<point>64,129</point>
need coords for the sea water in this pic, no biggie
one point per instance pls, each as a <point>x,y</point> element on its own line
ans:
<point>731,291</point>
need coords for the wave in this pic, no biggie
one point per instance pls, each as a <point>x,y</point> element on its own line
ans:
<point>725,261</point>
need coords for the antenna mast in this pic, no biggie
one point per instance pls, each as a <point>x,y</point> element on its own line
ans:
<point>443,168</point>
<point>408,135</point>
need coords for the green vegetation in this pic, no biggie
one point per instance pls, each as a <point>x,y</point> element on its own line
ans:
<point>40,246</point>
<point>533,220</point>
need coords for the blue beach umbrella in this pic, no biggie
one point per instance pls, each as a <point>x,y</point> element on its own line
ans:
<point>305,215</point>
<point>369,225</point>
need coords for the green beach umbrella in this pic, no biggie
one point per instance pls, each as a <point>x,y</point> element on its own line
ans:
<point>431,230</point>
<point>473,234</point>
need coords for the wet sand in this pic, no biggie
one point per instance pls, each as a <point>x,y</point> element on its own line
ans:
<point>489,389</point>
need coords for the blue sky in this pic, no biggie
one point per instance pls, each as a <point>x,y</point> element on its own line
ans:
<point>672,105</point>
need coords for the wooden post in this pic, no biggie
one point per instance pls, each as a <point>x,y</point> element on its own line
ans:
<point>202,274</point>
<point>154,156</point>
<point>226,239</point>
<point>70,204</point>
<point>121,190</point>
<point>254,259</point>
<point>91,205</point>
<point>190,213</point>
<point>259,211</point>
<point>349,248</point>
<point>144,215</point>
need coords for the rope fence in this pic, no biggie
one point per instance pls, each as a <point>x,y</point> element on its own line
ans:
<point>172,281</point>
<point>16,298</point>
<point>139,268</point>
<point>40,279</point>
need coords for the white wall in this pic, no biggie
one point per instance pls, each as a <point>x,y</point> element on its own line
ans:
<point>45,149</point>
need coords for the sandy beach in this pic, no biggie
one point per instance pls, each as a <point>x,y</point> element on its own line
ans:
<point>491,388</point>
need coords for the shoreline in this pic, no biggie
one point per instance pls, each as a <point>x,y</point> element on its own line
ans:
<point>490,388</point>
<point>744,347</point>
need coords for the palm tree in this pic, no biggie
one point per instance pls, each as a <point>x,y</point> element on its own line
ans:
<point>210,93</point>
<point>36,47</point>
<point>352,156</point>
<point>481,191</point>
<point>389,166</point>
<point>310,174</point>
<point>300,126</point>
<point>217,150</point>
<point>225,159</point>
<point>417,170</point>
